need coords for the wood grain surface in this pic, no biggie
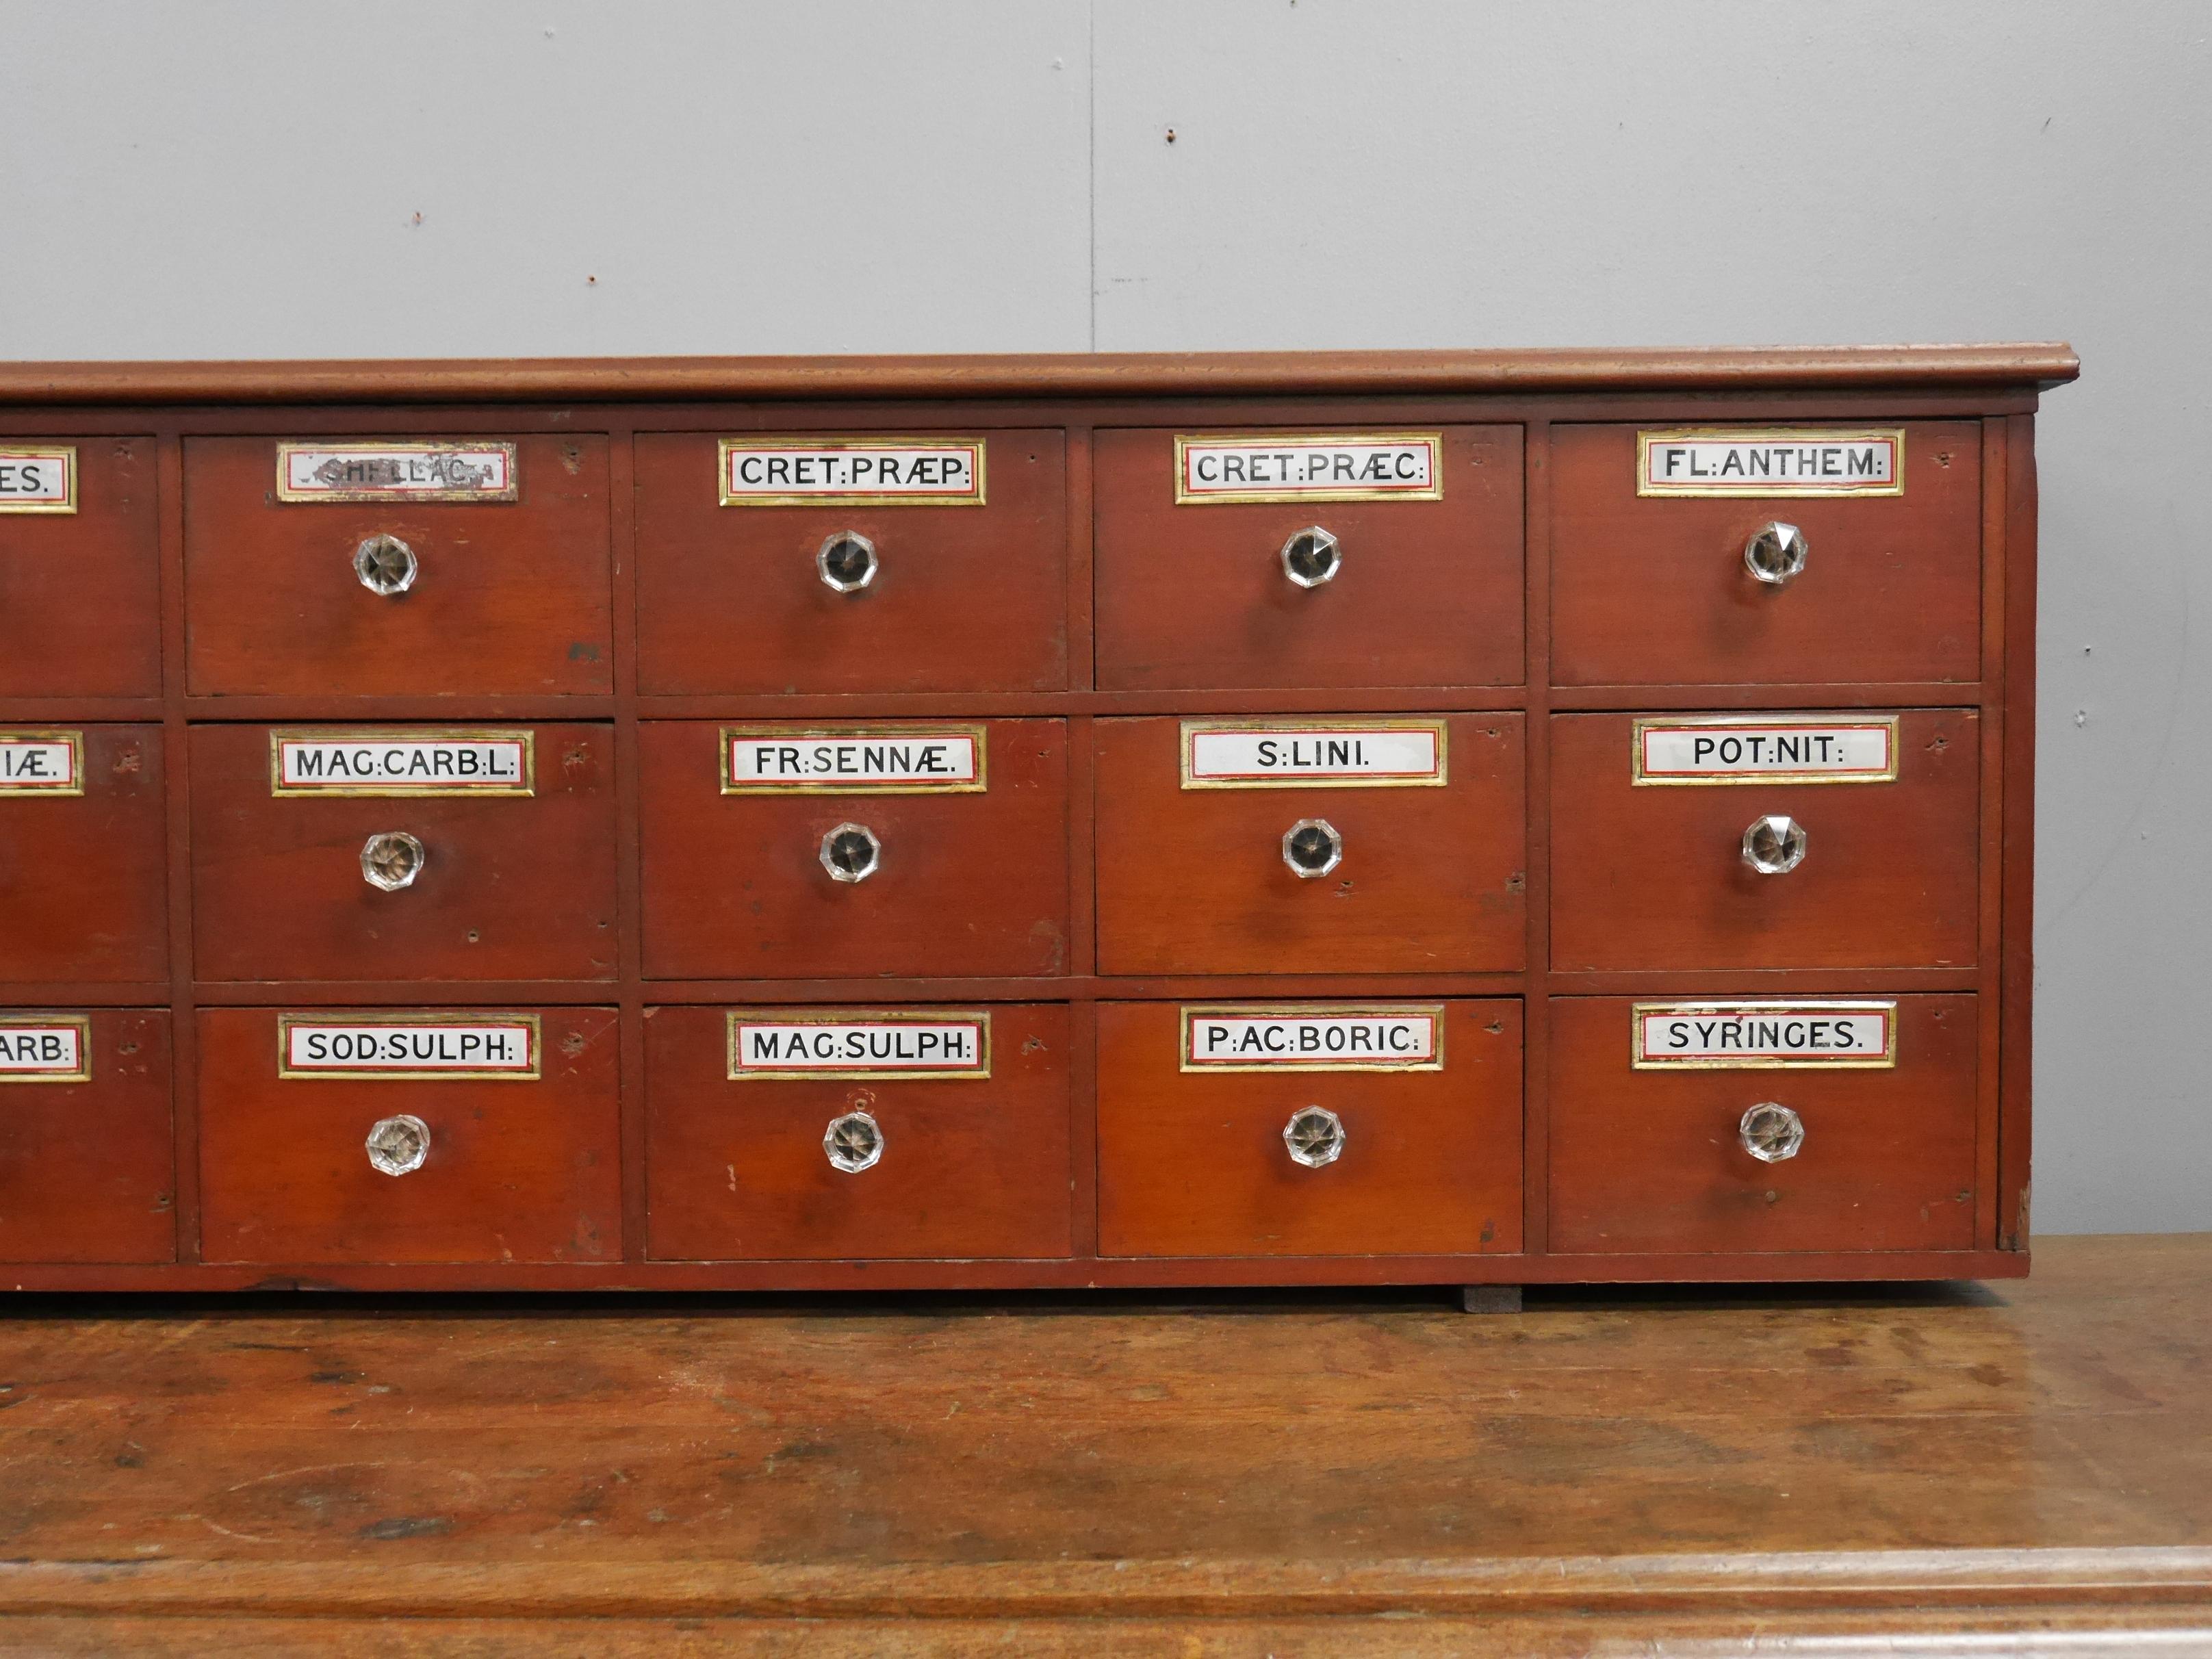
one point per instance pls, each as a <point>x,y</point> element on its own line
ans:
<point>80,592</point>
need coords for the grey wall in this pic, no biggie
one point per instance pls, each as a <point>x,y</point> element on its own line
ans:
<point>272,177</point>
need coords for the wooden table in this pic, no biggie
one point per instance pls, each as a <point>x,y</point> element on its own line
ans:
<point>1298,1472</point>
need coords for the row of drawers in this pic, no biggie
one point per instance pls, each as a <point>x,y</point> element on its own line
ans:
<point>812,877</point>
<point>515,597</point>
<point>1189,1163</point>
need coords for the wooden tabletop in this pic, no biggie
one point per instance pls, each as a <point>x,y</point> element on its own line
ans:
<point>1310,1473</point>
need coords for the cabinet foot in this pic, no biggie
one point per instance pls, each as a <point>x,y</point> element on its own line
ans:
<point>1490,1299</point>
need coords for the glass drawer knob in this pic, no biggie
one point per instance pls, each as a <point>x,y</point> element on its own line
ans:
<point>854,1142</point>
<point>1774,845</point>
<point>1312,848</point>
<point>1777,553</point>
<point>1314,1136</point>
<point>386,565</point>
<point>851,853</point>
<point>398,1145</point>
<point>846,561</point>
<point>1312,558</point>
<point>1770,1132</point>
<point>393,860</point>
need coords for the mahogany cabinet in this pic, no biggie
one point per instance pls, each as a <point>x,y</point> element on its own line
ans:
<point>1458,817</point>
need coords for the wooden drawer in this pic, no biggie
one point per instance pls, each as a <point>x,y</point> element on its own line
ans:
<point>510,597</point>
<point>1652,1159</point>
<point>963,598</point>
<point>1197,879</point>
<point>516,1169</point>
<point>88,1157</point>
<point>83,862</point>
<point>1194,1161</point>
<point>80,590</point>
<point>970,1162</point>
<point>1653,590</point>
<point>1195,594</point>
<point>509,886</point>
<point>967,881</point>
<point>1655,875</point>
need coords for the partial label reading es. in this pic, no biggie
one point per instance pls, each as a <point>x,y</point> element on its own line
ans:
<point>41,762</point>
<point>1762,749</point>
<point>853,472</point>
<point>858,1043</point>
<point>1315,1037</point>
<point>402,762</point>
<point>407,1046</point>
<point>38,478</point>
<point>396,471</point>
<point>1763,1035</point>
<point>852,760</point>
<point>1764,461</point>
<point>1281,754</point>
<point>1310,467</point>
<point>51,1048</point>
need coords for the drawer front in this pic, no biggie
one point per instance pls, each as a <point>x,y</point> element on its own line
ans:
<point>1200,879</point>
<point>83,875</point>
<point>510,597</point>
<point>1655,589</point>
<point>512,1168</point>
<point>496,884</point>
<point>1654,1159</point>
<point>87,1148</point>
<point>1195,1161</point>
<point>80,590</point>
<point>956,1164</point>
<point>963,881</point>
<point>1659,875</point>
<point>1195,594</point>
<point>943,597</point>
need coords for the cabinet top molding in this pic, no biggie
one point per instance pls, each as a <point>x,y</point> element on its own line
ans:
<point>1105,375</point>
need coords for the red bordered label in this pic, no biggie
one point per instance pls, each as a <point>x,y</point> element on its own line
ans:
<point>855,1044</point>
<point>1763,1036</point>
<point>1288,754</point>
<point>853,471</point>
<point>1366,466</point>
<point>396,471</point>
<point>1724,748</point>
<point>1774,461</point>
<point>1313,1037</point>
<point>853,760</point>
<point>408,1048</point>
<point>38,478</point>
<point>41,762</point>
<point>45,1048</point>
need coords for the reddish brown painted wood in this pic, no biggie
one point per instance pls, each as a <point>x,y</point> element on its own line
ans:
<point>2016,1118</point>
<point>1193,880</point>
<point>1195,1164</point>
<point>1654,589</point>
<point>1653,876</point>
<point>518,1170</point>
<point>1650,1160</point>
<point>965,598</point>
<point>1194,595</point>
<point>970,1167</point>
<point>88,1169</point>
<point>81,877</point>
<point>512,887</point>
<point>512,598</point>
<point>969,884</point>
<point>80,592</point>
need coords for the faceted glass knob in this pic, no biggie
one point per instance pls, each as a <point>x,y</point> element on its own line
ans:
<point>1312,848</point>
<point>851,853</point>
<point>386,565</point>
<point>1770,1132</point>
<point>1774,845</point>
<point>1777,553</point>
<point>854,1142</point>
<point>1314,1136</point>
<point>398,1145</point>
<point>846,561</point>
<point>393,860</point>
<point>1312,558</point>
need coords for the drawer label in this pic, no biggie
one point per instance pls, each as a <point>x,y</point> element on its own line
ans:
<point>1762,749</point>
<point>396,471</point>
<point>853,760</point>
<point>1286,753</point>
<point>1370,466</point>
<point>1771,461</point>
<point>403,762</point>
<point>1763,1036</point>
<point>41,762</point>
<point>49,1048</point>
<point>858,1043</point>
<point>38,478</point>
<point>1313,1037</point>
<point>853,472</point>
<point>410,1046</point>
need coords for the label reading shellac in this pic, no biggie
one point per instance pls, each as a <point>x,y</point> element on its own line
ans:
<point>1762,749</point>
<point>402,762</point>
<point>853,760</point>
<point>858,1043</point>
<point>1761,461</point>
<point>396,471</point>
<point>1763,1036</point>
<point>853,472</point>
<point>1284,753</point>
<point>41,762</point>
<point>38,478</point>
<point>1313,1037</point>
<point>410,1046</point>
<point>1309,467</point>
<point>49,1048</point>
